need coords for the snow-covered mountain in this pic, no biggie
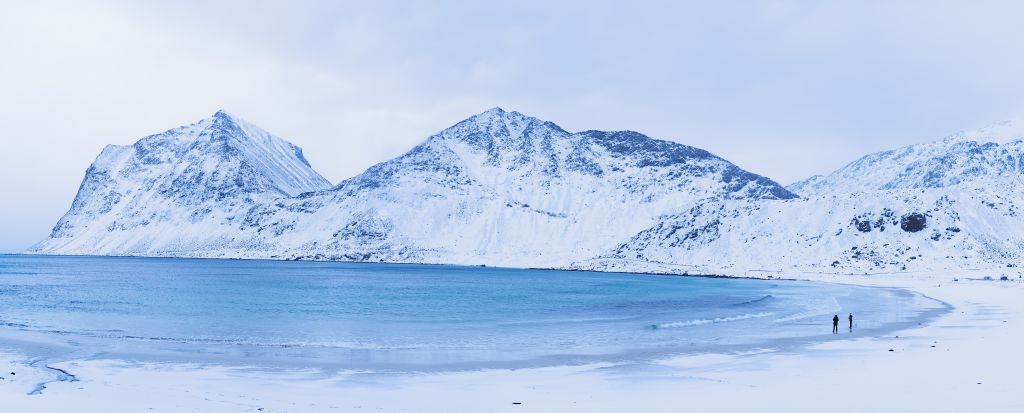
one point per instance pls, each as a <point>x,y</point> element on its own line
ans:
<point>498,188</point>
<point>502,188</point>
<point>946,205</point>
<point>177,192</point>
<point>972,158</point>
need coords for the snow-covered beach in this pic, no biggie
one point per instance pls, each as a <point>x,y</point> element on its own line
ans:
<point>963,361</point>
<point>459,206</point>
<point>483,197</point>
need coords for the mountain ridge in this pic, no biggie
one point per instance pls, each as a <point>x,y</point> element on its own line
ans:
<point>938,206</point>
<point>500,187</point>
<point>504,188</point>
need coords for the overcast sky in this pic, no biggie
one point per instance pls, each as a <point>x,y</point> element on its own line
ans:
<point>783,89</point>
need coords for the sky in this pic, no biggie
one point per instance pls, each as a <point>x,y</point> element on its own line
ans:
<point>786,89</point>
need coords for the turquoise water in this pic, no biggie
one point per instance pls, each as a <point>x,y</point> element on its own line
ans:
<point>393,316</point>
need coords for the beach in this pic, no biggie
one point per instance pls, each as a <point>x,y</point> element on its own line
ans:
<point>963,361</point>
<point>470,207</point>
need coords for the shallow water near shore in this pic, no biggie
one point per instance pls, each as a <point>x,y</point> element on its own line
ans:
<point>412,317</point>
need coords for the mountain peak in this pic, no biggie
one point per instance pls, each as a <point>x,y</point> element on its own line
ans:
<point>998,132</point>
<point>224,144</point>
<point>982,156</point>
<point>497,114</point>
<point>497,124</point>
<point>224,118</point>
<point>497,110</point>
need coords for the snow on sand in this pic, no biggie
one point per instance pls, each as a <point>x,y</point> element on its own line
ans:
<point>965,361</point>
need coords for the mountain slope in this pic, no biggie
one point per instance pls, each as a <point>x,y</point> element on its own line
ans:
<point>505,188</point>
<point>973,158</point>
<point>883,232</point>
<point>179,190</point>
<point>497,188</point>
<point>948,205</point>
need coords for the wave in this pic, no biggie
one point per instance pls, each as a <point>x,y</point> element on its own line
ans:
<point>761,300</point>
<point>690,323</point>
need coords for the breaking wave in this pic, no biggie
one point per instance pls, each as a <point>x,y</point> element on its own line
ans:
<point>690,323</point>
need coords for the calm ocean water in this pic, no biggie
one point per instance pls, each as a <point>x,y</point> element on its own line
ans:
<point>412,316</point>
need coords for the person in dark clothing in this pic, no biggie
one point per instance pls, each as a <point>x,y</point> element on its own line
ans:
<point>835,324</point>
<point>851,321</point>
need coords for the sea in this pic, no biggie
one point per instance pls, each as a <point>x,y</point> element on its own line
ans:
<point>412,317</point>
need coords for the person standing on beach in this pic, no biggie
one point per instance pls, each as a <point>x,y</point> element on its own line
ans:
<point>835,324</point>
<point>851,321</point>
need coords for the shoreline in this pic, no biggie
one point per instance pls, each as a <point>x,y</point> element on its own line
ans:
<point>913,376</point>
<point>49,346</point>
<point>59,344</point>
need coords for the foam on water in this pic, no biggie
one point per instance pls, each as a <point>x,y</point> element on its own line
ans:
<point>689,323</point>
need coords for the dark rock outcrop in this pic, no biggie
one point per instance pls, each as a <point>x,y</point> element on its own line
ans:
<point>913,222</point>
